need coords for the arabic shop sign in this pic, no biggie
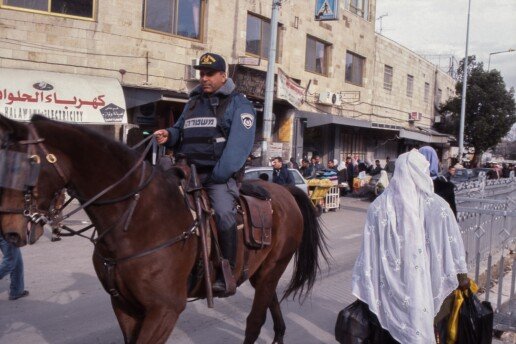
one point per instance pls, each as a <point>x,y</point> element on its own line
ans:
<point>62,97</point>
<point>289,90</point>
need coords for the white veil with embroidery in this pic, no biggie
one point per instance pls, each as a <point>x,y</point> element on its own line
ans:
<point>411,254</point>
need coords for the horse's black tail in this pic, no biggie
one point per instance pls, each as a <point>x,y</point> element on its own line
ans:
<point>313,244</point>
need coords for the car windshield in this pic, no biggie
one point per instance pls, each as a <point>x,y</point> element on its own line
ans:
<point>255,174</point>
<point>463,172</point>
<point>477,171</point>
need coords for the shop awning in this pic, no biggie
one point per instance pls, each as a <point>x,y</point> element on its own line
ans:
<point>424,135</point>
<point>421,134</point>
<point>316,119</point>
<point>136,96</point>
<point>63,97</point>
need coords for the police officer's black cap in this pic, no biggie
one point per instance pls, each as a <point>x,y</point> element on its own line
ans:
<point>211,61</point>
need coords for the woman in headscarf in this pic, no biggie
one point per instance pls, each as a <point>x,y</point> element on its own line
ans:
<point>412,253</point>
<point>382,183</point>
<point>442,187</point>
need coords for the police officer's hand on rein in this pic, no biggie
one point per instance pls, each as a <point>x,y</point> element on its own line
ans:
<point>161,136</point>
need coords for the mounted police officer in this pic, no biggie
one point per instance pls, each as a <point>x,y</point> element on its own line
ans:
<point>216,133</point>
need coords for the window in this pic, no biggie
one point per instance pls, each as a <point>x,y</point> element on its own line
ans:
<point>387,78</point>
<point>427,91</point>
<point>439,96</point>
<point>410,85</point>
<point>354,68</point>
<point>317,56</point>
<point>358,7</point>
<point>176,17</point>
<point>258,37</point>
<point>76,8</point>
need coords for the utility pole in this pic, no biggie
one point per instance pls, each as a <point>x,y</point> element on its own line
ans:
<point>269,84</point>
<point>464,87</point>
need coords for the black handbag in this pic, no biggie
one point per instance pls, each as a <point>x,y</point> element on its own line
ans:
<point>356,324</point>
<point>475,321</point>
<point>353,324</point>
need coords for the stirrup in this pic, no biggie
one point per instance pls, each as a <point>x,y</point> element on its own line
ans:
<point>225,285</point>
<point>219,286</point>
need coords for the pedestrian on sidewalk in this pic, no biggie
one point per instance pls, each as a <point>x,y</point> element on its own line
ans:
<point>12,263</point>
<point>280,173</point>
<point>412,254</point>
<point>442,186</point>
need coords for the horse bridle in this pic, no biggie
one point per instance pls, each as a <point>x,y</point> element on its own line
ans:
<point>30,211</point>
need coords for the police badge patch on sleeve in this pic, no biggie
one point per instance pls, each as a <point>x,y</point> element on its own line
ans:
<point>247,120</point>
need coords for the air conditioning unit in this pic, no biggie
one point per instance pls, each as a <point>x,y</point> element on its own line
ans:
<point>193,74</point>
<point>330,98</point>
<point>415,116</point>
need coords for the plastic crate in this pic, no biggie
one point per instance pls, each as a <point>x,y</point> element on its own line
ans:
<point>332,198</point>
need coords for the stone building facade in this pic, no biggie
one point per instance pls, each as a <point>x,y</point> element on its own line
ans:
<point>149,46</point>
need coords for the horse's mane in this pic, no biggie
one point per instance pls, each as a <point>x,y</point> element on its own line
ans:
<point>109,144</point>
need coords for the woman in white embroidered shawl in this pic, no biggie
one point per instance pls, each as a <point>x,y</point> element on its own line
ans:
<point>411,254</point>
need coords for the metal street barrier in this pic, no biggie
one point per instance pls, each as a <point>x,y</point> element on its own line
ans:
<point>486,211</point>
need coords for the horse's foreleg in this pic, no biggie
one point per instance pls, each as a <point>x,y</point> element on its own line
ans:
<point>158,325</point>
<point>277,318</point>
<point>129,325</point>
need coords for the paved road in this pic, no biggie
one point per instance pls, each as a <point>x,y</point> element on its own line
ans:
<point>68,305</point>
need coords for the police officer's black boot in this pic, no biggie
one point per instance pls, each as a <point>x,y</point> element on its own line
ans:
<point>228,247</point>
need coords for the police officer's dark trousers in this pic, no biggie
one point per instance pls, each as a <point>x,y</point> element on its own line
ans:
<point>223,198</point>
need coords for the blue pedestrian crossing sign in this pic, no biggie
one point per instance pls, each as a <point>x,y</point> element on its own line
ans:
<point>326,9</point>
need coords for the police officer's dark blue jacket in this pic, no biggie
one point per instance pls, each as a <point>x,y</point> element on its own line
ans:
<point>218,144</point>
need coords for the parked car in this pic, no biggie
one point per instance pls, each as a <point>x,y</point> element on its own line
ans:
<point>469,174</point>
<point>463,175</point>
<point>490,173</point>
<point>254,173</point>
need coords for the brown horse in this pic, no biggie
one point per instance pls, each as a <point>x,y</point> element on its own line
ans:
<point>144,241</point>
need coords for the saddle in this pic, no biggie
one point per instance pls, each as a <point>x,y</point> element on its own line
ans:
<point>254,231</point>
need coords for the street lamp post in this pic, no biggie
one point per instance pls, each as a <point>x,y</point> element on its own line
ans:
<point>497,52</point>
<point>464,87</point>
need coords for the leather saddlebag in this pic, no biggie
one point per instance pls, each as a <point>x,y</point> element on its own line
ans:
<point>257,221</point>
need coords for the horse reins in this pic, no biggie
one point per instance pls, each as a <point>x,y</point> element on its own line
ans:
<point>126,216</point>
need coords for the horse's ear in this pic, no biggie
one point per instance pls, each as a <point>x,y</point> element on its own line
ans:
<point>16,130</point>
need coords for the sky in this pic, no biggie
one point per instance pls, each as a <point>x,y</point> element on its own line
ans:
<point>438,27</point>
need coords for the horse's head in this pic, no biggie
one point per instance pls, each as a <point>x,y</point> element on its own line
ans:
<point>29,182</point>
